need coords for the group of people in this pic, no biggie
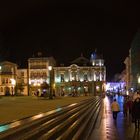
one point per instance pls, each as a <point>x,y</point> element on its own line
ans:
<point>131,106</point>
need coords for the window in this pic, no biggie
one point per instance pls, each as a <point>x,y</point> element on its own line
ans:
<point>62,77</point>
<point>1,89</point>
<point>32,75</point>
<point>73,76</point>
<point>97,76</point>
<point>3,81</point>
<point>22,81</point>
<point>6,80</point>
<point>22,74</point>
<point>85,77</point>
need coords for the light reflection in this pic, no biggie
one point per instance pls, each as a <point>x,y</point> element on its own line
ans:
<point>72,104</point>
<point>107,102</point>
<point>15,124</point>
<point>4,128</point>
<point>37,116</point>
<point>8,126</point>
<point>18,123</point>
<point>58,109</point>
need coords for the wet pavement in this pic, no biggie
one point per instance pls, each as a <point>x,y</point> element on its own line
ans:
<point>108,129</point>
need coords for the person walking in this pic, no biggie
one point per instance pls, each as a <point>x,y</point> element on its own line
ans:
<point>115,108</point>
<point>125,107</point>
<point>136,112</point>
<point>130,105</point>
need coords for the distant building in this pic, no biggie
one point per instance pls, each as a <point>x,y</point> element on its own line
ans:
<point>80,79</point>
<point>8,78</point>
<point>38,72</point>
<point>135,60</point>
<point>128,77</point>
<point>83,76</point>
<point>132,63</point>
<point>116,87</point>
<point>22,81</point>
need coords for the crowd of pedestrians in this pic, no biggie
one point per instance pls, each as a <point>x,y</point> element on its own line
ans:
<point>131,106</point>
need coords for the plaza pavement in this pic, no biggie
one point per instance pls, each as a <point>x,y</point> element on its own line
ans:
<point>14,108</point>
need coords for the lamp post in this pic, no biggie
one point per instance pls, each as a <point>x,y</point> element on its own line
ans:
<point>51,81</point>
<point>138,82</point>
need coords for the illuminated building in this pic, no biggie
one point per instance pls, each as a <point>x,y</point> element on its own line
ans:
<point>133,64</point>
<point>128,78</point>
<point>82,77</point>
<point>135,61</point>
<point>115,87</point>
<point>8,77</point>
<point>38,72</point>
<point>22,81</point>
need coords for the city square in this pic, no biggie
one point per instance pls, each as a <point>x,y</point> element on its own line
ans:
<point>15,108</point>
<point>69,70</point>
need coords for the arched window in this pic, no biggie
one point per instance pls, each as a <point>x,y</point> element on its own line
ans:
<point>1,89</point>
<point>85,77</point>
<point>62,77</point>
<point>6,80</point>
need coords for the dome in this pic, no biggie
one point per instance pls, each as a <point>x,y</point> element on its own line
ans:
<point>96,55</point>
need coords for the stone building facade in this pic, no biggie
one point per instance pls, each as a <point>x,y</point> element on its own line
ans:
<point>132,63</point>
<point>8,78</point>
<point>81,77</point>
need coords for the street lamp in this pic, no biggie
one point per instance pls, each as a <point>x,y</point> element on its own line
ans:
<point>51,81</point>
<point>138,81</point>
<point>13,83</point>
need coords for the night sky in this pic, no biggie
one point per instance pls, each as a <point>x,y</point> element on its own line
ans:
<point>65,29</point>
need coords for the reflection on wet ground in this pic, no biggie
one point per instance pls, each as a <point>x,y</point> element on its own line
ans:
<point>121,129</point>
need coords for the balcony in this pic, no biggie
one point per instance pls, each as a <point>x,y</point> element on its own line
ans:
<point>38,67</point>
<point>6,73</point>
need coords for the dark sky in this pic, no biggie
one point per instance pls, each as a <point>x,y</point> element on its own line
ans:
<point>65,29</point>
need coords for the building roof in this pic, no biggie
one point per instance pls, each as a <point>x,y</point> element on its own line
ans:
<point>81,61</point>
<point>8,62</point>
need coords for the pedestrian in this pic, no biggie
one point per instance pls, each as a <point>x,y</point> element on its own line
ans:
<point>136,112</point>
<point>125,107</point>
<point>130,104</point>
<point>136,95</point>
<point>115,108</point>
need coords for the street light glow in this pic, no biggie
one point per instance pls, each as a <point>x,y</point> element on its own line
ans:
<point>139,79</point>
<point>13,82</point>
<point>50,68</point>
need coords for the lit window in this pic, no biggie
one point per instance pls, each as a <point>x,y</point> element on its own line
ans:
<point>62,77</point>
<point>85,77</point>
<point>1,89</point>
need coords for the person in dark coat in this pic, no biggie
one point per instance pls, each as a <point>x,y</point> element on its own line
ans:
<point>125,107</point>
<point>130,104</point>
<point>136,112</point>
